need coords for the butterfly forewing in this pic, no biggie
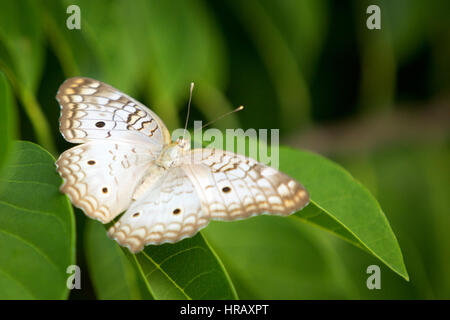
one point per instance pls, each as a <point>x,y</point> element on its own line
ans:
<point>232,186</point>
<point>93,110</point>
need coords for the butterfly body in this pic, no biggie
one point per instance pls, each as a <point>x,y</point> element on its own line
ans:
<point>172,154</point>
<point>127,162</point>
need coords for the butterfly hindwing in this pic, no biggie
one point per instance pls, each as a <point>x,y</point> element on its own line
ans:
<point>169,211</point>
<point>100,177</point>
<point>93,110</point>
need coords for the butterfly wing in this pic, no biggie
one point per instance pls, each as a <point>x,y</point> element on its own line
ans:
<point>169,211</point>
<point>231,186</point>
<point>93,110</point>
<point>120,138</point>
<point>100,176</point>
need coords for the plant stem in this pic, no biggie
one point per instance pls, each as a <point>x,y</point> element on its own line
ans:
<point>39,122</point>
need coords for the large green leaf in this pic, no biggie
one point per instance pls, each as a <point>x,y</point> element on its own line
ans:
<point>425,243</point>
<point>340,204</point>
<point>37,236</point>
<point>189,269</point>
<point>305,260</point>
<point>7,120</point>
<point>278,258</point>
<point>185,270</point>
<point>113,275</point>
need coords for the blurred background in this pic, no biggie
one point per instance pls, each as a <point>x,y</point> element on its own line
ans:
<point>375,101</point>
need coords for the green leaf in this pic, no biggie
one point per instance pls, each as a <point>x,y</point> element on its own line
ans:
<point>305,260</point>
<point>22,59</point>
<point>158,272</point>
<point>423,237</point>
<point>37,227</point>
<point>341,205</point>
<point>188,269</point>
<point>272,257</point>
<point>22,52</point>
<point>113,275</point>
<point>7,120</point>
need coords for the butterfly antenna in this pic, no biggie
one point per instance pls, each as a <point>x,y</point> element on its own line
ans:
<point>224,115</point>
<point>189,108</point>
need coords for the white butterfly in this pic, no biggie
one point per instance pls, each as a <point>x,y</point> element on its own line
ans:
<point>126,161</point>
